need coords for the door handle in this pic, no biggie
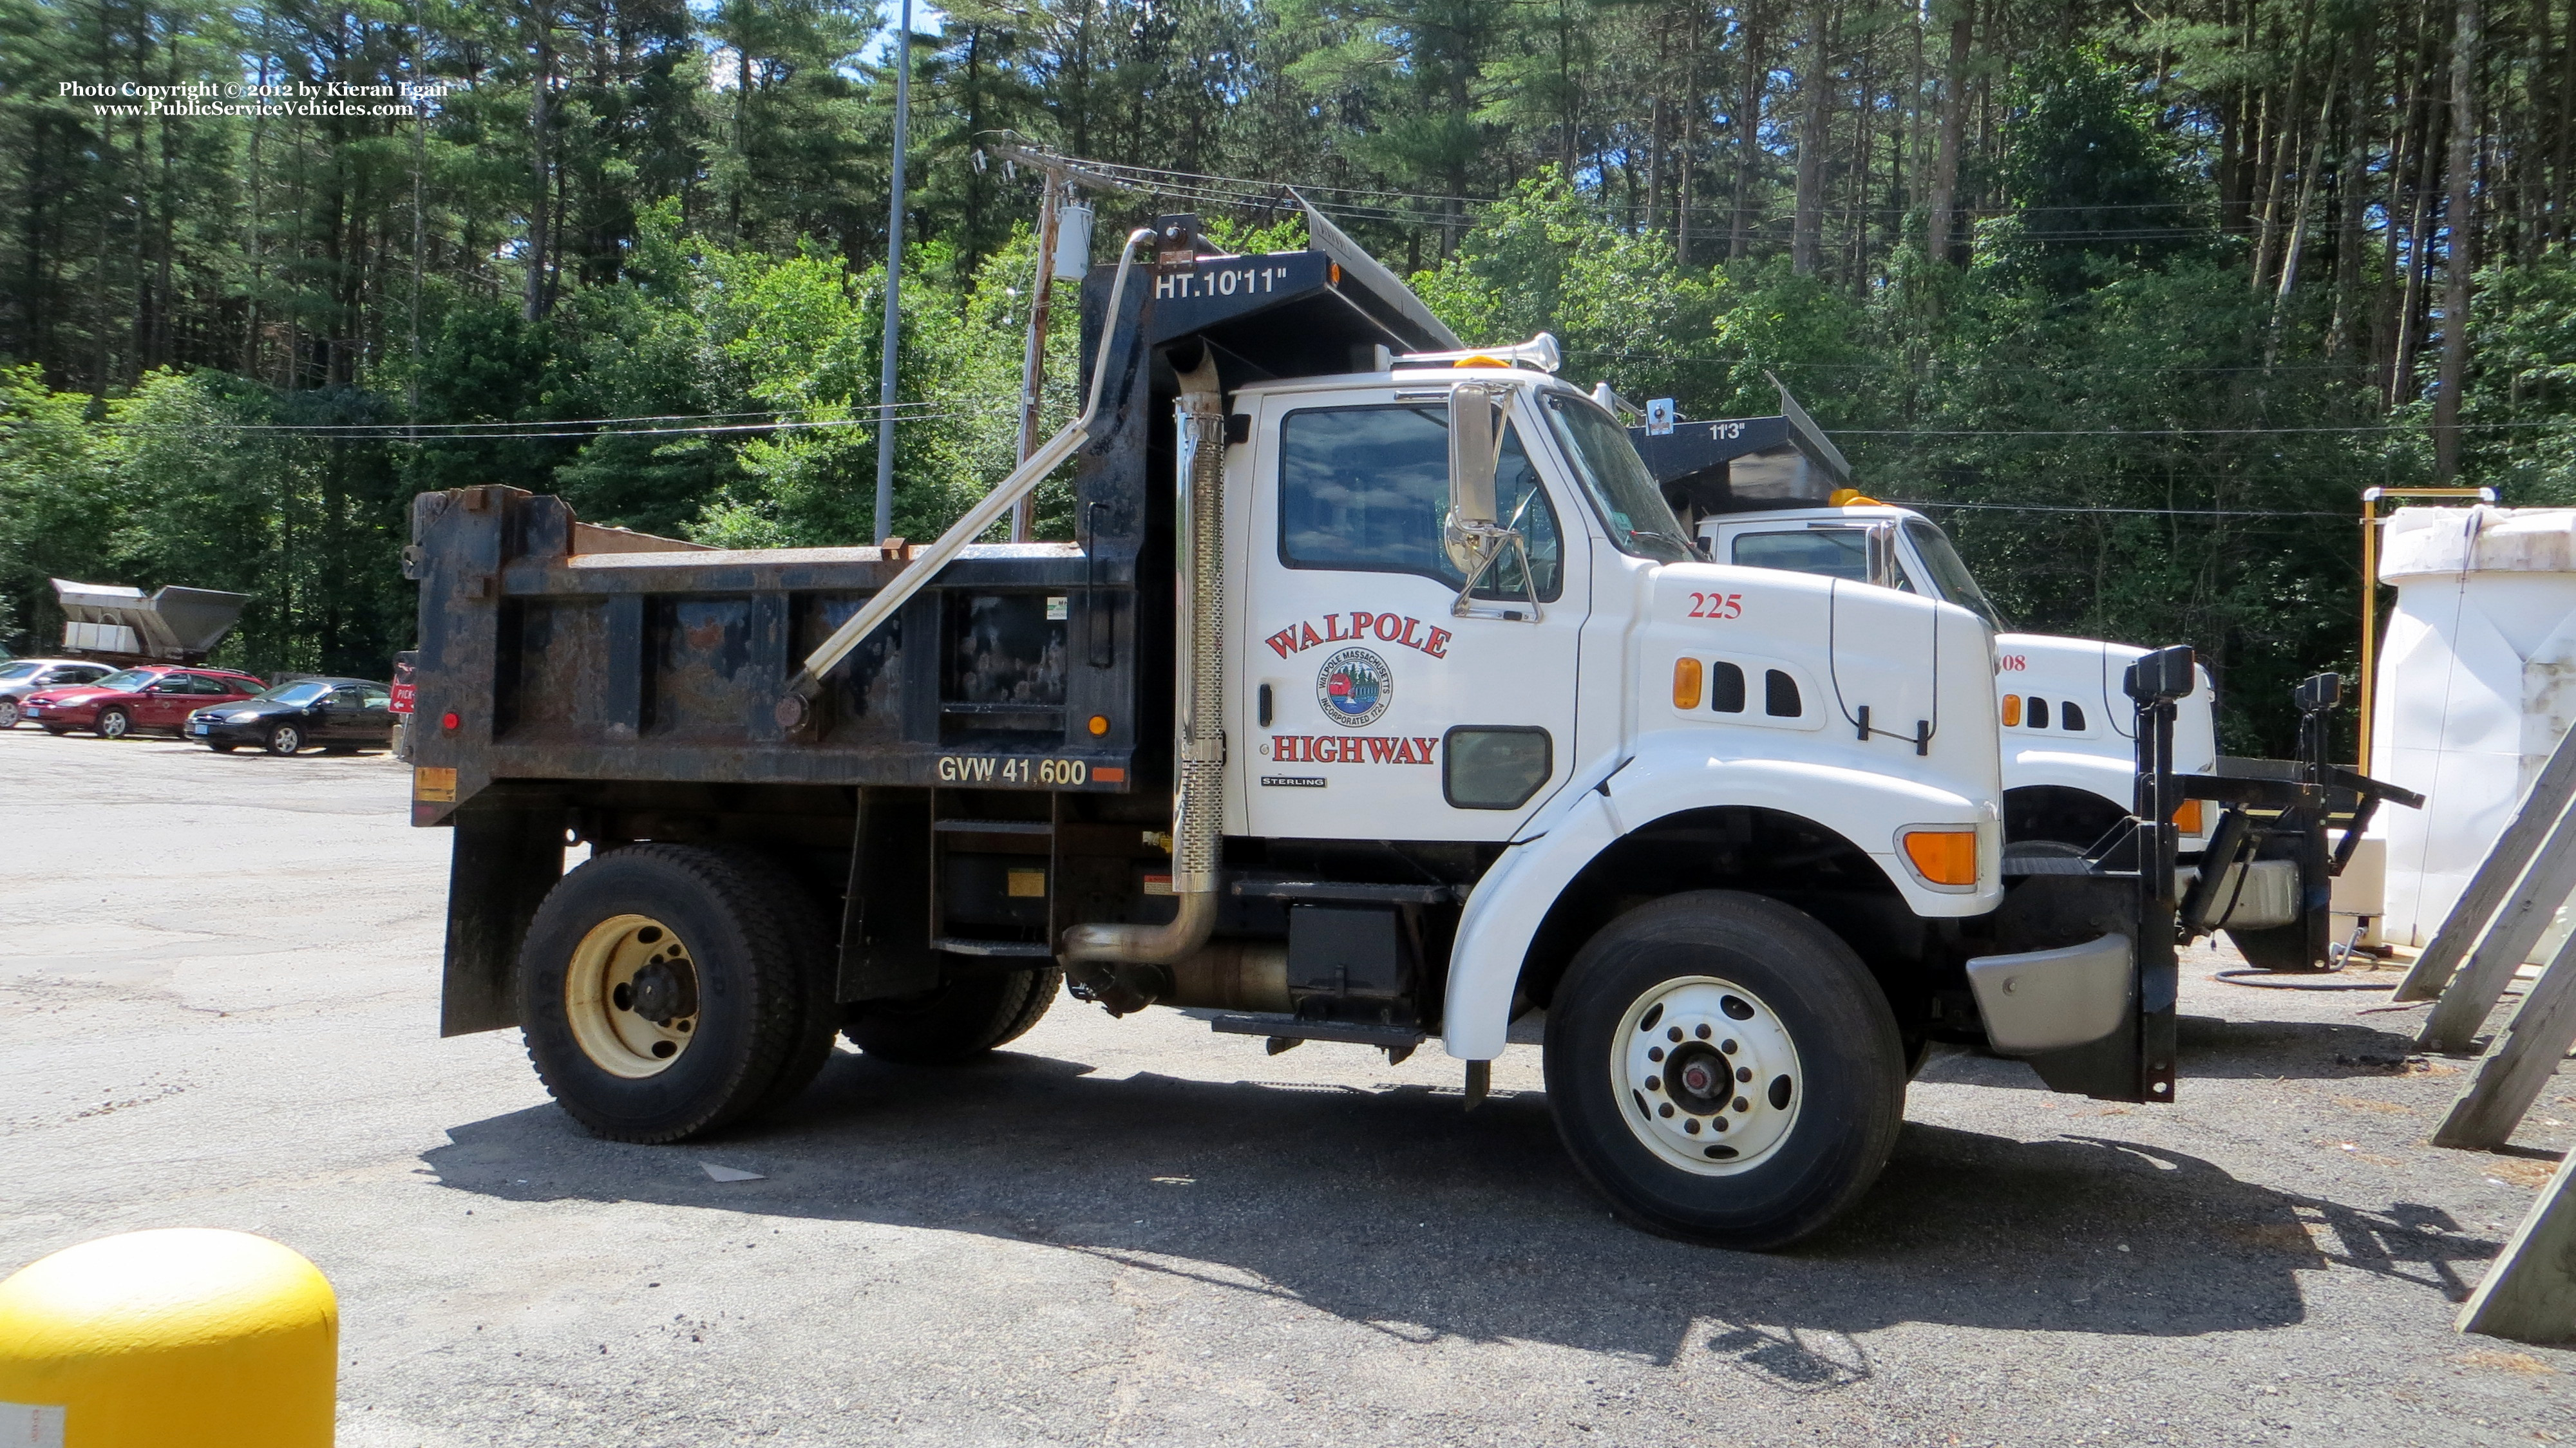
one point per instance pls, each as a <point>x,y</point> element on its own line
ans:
<point>1265,706</point>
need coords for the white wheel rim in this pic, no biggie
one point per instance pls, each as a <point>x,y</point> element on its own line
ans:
<point>8,713</point>
<point>605,1002</point>
<point>1706,1075</point>
<point>288,741</point>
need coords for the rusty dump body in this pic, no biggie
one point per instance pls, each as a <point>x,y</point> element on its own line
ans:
<point>608,687</point>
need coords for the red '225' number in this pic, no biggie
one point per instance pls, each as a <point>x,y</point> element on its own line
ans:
<point>1717,605</point>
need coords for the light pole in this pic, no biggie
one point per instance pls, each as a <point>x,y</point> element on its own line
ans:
<point>894,280</point>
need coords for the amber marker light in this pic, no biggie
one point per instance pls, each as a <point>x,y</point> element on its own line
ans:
<point>2187,818</point>
<point>1099,725</point>
<point>1944,857</point>
<point>2012,711</point>
<point>1686,683</point>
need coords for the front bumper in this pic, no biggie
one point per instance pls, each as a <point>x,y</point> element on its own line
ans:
<point>58,715</point>
<point>208,731</point>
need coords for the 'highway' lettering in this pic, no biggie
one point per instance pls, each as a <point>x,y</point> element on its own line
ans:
<point>1350,749</point>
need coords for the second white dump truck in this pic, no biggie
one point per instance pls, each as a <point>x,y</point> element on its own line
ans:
<point>1774,492</point>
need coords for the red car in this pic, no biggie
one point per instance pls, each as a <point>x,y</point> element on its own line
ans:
<point>155,696</point>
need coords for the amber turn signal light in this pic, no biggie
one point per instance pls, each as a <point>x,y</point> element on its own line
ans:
<point>1099,725</point>
<point>2187,818</point>
<point>1944,857</point>
<point>1686,683</point>
<point>2012,711</point>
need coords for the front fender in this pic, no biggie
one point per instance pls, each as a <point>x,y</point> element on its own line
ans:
<point>1667,778</point>
<point>2115,780</point>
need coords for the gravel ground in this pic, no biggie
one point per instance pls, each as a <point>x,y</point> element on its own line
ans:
<point>221,1009</point>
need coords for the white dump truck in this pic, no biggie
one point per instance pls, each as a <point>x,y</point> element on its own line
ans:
<point>1774,492</point>
<point>1380,699</point>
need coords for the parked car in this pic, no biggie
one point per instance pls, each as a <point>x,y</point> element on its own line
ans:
<point>337,714</point>
<point>154,696</point>
<point>21,677</point>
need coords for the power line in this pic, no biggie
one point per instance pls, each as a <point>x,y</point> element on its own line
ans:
<point>396,432</point>
<point>2173,512</point>
<point>2178,431</point>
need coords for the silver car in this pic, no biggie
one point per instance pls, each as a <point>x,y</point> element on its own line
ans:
<point>21,677</point>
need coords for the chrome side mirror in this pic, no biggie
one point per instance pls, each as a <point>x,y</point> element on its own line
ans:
<point>1475,455</point>
<point>1882,555</point>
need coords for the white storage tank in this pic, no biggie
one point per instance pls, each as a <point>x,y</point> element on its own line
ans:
<point>2477,683</point>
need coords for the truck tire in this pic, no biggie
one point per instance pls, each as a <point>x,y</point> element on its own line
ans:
<point>1670,1001</point>
<point>961,1020</point>
<point>668,990</point>
<point>818,1015</point>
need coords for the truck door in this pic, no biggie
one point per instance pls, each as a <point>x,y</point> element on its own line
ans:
<point>1367,709</point>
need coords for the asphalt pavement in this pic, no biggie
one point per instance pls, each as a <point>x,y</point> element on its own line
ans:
<point>218,1007</point>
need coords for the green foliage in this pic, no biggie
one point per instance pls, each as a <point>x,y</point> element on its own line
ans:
<point>2088,178</point>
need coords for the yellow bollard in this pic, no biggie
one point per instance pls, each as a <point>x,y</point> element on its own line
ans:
<point>186,1337</point>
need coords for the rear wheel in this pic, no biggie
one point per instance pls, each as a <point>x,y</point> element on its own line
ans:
<point>1725,1070</point>
<point>114,723</point>
<point>959,1021</point>
<point>8,713</point>
<point>668,990</point>
<point>285,739</point>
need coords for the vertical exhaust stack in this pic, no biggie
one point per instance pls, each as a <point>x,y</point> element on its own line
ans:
<point>1198,790</point>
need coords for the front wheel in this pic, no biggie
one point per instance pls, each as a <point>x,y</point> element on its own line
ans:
<point>8,713</point>
<point>114,723</point>
<point>1725,1070</point>
<point>285,739</point>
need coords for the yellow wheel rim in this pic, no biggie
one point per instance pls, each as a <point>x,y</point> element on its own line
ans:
<point>631,995</point>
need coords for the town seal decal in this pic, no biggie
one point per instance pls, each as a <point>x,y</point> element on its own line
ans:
<point>1355,687</point>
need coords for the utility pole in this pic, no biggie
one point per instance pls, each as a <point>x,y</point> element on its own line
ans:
<point>2460,220</point>
<point>1033,360</point>
<point>894,280</point>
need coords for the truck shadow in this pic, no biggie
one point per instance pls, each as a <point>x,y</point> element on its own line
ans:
<point>2213,1049</point>
<point>1394,1209</point>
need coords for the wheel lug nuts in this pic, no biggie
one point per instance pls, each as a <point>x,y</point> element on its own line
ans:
<point>1703,1033</point>
<point>1664,1110</point>
<point>1654,1053</point>
<point>1728,1046</point>
<point>1743,1105</point>
<point>1654,1083</point>
<point>1743,1073</point>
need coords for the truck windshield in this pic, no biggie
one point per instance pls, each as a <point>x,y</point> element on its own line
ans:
<point>1620,487</point>
<point>1950,573</point>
